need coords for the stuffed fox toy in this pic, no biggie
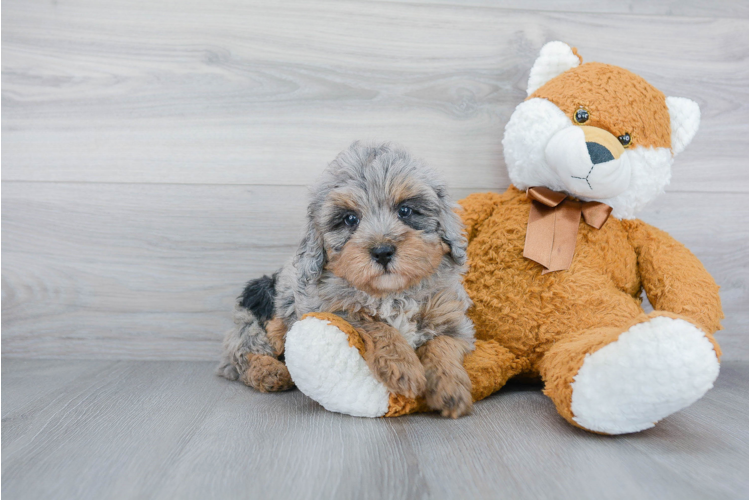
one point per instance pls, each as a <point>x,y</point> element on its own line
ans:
<point>558,262</point>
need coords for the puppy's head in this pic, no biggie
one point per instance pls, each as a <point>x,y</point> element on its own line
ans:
<point>380,220</point>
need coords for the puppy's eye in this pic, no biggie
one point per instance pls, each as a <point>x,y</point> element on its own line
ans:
<point>351,220</point>
<point>625,139</point>
<point>404,211</point>
<point>581,116</point>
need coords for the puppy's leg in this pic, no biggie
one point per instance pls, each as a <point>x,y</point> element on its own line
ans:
<point>448,384</point>
<point>251,353</point>
<point>392,360</point>
<point>252,347</point>
<point>267,373</point>
<point>451,336</point>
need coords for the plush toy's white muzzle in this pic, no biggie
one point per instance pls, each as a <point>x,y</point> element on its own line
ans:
<point>589,168</point>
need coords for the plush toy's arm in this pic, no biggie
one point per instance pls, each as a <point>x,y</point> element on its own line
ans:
<point>476,208</point>
<point>674,278</point>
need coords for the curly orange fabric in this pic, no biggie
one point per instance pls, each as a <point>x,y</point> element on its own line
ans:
<point>529,324</point>
<point>525,311</point>
<point>401,405</point>
<point>631,106</point>
<point>673,278</point>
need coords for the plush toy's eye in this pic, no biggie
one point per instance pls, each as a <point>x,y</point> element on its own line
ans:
<point>581,116</point>
<point>351,220</point>
<point>404,211</point>
<point>625,140</point>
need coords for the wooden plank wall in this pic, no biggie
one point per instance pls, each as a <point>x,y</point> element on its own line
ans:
<point>155,153</point>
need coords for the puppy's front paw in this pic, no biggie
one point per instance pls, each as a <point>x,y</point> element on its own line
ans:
<point>398,367</point>
<point>449,392</point>
<point>267,374</point>
<point>403,377</point>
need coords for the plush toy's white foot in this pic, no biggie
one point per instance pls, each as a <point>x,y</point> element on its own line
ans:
<point>653,370</point>
<point>326,368</point>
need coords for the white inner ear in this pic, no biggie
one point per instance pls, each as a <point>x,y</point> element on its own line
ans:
<point>554,58</point>
<point>685,118</point>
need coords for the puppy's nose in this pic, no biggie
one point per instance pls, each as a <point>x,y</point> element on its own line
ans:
<point>383,254</point>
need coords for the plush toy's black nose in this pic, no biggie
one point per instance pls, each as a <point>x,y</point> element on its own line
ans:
<point>598,153</point>
<point>383,254</point>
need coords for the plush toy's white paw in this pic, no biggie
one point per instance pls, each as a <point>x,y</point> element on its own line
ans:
<point>328,370</point>
<point>653,370</point>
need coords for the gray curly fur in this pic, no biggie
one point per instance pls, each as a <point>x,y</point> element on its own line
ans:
<point>367,174</point>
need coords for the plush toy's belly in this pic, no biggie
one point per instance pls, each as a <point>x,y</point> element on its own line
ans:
<point>526,311</point>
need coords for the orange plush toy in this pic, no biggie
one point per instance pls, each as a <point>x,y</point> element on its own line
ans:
<point>558,263</point>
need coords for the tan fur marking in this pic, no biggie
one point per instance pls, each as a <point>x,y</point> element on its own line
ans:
<point>392,360</point>
<point>617,100</point>
<point>448,385</point>
<point>343,199</point>
<point>416,258</point>
<point>266,374</point>
<point>352,335</point>
<point>443,309</point>
<point>275,331</point>
<point>354,264</point>
<point>403,191</point>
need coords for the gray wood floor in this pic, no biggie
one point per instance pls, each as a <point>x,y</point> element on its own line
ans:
<point>147,429</point>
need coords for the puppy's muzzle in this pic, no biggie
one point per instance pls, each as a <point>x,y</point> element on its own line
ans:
<point>383,254</point>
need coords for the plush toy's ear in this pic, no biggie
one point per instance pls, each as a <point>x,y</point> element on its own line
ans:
<point>685,117</point>
<point>554,58</point>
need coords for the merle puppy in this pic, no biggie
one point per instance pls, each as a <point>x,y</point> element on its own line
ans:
<point>385,250</point>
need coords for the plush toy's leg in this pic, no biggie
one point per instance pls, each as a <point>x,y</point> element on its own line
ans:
<point>490,366</point>
<point>622,380</point>
<point>325,356</point>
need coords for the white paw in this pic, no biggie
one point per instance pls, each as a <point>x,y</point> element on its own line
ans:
<point>653,370</point>
<point>328,370</point>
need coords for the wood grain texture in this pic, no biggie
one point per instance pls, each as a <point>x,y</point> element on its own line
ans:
<point>154,152</point>
<point>688,8</point>
<point>173,430</point>
<point>151,271</point>
<point>234,92</point>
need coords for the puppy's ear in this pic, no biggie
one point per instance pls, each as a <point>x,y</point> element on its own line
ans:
<point>451,228</point>
<point>311,255</point>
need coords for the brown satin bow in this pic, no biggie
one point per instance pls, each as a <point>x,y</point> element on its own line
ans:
<point>553,226</point>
